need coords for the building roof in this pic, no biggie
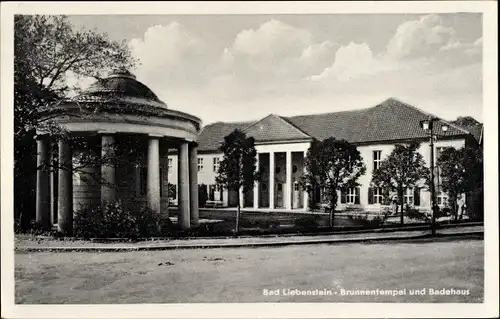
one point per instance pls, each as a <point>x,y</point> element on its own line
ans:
<point>390,120</point>
<point>212,135</point>
<point>120,86</point>
<point>275,128</point>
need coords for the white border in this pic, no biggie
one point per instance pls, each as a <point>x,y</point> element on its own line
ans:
<point>271,310</point>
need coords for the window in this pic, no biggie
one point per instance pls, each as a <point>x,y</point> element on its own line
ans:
<point>375,195</point>
<point>169,164</point>
<point>216,162</point>
<point>219,189</point>
<point>200,164</point>
<point>294,169</point>
<point>442,198</point>
<point>296,186</point>
<point>211,192</point>
<point>172,191</point>
<point>412,196</point>
<point>280,187</point>
<point>377,159</point>
<point>408,196</point>
<point>322,193</point>
<point>351,196</point>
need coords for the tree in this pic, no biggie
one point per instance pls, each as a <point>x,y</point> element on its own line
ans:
<point>466,121</point>
<point>452,175</point>
<point>47,50</point>
<point>402,169</point>
<point>237,170</point>
<point>332,165</point>
<point>461,171</point>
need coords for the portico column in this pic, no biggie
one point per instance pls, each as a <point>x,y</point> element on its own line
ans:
<point>165,182</point>
<point>193,183</point>
<point>271,180</point>
<point>43,182</point>
<point>183,186</point>
<point>108,186</point>
<point>65,189</point>
<point>242,197</point>
<point>153,180</point>
<point>256,187</point>
<point>305,192</point>
<point>288,186</point>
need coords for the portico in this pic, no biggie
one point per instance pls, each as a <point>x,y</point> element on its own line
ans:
<point>279,187</point>
<point>126,132</point>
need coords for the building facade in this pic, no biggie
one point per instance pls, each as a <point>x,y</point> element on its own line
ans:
<point>282,143</point>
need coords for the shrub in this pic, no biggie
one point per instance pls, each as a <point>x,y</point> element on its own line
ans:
<point>87,223</point>
<point>475,206</point>
<point>274,224</point>
<point>148,223</point>
<point>265,223</point>
<point>306,222</point>
<point>375,222</point>
<point>445,211</point>
<point>416,214</point>
<point>112,220</point>
<point>35,229</point>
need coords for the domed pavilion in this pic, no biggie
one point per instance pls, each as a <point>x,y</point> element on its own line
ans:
<point>128,132</point>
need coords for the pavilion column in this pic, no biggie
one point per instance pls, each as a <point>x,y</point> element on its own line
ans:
<point>271,180</point>
<point>108,186</point>
<point>183,186</point>
<point>193,184</point>
<point>256,187</point>
<point>153,175</point>
<point>288,185</point>
<point>65,189</point>
<point>53,184</point>
<point>43,182</point>
<point>305,192</point>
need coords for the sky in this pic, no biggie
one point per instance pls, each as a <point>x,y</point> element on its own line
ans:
<point>244,67</point>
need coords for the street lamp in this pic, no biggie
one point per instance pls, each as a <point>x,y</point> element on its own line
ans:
<point>428,127</point>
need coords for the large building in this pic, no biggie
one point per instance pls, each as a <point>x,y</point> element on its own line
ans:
<point>143,151</point>
<point>282,143</point>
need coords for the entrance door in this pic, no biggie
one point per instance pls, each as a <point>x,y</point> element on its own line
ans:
<point>296,195</point>
<point>279,195</point>
<point>248,198</point>
<point>263,195</point>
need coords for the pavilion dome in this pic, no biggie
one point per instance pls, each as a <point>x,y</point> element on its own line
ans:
<point>121,87</point>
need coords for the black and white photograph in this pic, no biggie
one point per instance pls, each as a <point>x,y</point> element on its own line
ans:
<point>249,160</point>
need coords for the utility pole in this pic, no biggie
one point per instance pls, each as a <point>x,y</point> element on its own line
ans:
<point>427,125</point>
<point>433,188</point>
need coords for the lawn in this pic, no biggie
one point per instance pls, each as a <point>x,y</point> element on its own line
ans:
<point>241,275</point>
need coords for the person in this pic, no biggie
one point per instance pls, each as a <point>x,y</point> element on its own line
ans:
<point>395,205</point>
<point>461,206</point>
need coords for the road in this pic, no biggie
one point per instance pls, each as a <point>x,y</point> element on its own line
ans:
<point>252,274</point>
